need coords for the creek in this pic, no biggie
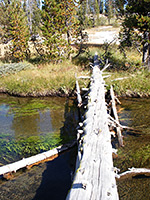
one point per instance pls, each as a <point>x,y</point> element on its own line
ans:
<point>32,125</point>
<point>29,125</point>
<point>135,113</point>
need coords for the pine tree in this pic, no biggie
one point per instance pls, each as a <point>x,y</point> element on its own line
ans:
<point>52,29</point>
<point>101,6</point>
<point>109,9</point>
<point>36,17</point>
<point>16,30</point>
<point>136,27</point>
<point>58,22</point>
<point>32,9</point>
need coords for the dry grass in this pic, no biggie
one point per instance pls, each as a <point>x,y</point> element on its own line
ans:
<point>48,79</point>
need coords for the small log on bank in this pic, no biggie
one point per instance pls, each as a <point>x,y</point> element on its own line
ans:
<point>133,172</point>
<point>34,160</point>
<point>95,176</point>
<point>83,77</point>
<point>78,94</point>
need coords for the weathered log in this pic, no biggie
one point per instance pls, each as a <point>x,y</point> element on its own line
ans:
<point>118,100</point>
<point>120,137</point>
<point>116,123</point>
<point>122,78</point>
<point>95,177</point>
<point>105,67</point>
<point>85,89</point>
<point>133,172</point>
<point>118,79</point>
<point>83,77</point>
<point>78,94</point>
<point>107,76</point>
<point>33,160</point>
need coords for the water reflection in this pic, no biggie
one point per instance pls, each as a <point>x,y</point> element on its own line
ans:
<point>39,124</point>
<point>136,113</point>
<point>26,116</point>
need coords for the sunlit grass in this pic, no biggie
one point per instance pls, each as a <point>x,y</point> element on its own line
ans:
<point>136,84</point>
<point>44,79</point>
<point>59,79</point>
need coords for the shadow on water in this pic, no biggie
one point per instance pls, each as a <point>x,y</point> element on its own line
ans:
<point>57,178</point>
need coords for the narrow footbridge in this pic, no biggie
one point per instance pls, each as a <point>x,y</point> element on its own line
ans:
<point>95,174</point>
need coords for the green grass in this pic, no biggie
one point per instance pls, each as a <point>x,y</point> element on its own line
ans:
<point>59,79</point>
<point>136,85</point>
<point>44,79</point>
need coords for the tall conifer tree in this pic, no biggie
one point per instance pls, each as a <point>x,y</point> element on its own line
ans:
<point>58,22</point>
<point>16,30</point>
<point>136,27</point>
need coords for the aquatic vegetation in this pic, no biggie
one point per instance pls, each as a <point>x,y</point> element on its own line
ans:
<point>30,108</point>
<point>136,151</point>
<point>34,125</point>
<point>12,150</point>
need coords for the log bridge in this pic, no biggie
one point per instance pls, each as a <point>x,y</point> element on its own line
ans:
<point>95,175</point>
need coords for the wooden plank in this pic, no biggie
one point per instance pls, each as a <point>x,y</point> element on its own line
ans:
<point>94,177</point>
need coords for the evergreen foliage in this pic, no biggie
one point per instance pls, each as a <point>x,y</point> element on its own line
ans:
<point>32,9</point>
<point>136,27</point>
<point>58,24</point>
<point>120,7</point>
<point>109,9</point>
<point>15,30</point>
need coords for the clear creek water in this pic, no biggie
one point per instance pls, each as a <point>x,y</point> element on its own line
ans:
<point>46,122</point>
<point>31,125</point>
<point>135,113</point>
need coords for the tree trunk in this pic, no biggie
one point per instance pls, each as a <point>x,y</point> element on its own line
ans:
<point>95,177</point>
<point>145,48</point>
<point>149,54</point>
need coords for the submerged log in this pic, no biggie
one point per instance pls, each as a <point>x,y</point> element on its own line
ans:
<point>95,177</point>
<point>120,137</point>
<point>34,160</point>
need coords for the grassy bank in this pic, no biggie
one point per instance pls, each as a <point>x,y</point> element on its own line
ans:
<point>128,76</point>
<point>42,80</point>
<point>135,84</point>
<point>59,79</point>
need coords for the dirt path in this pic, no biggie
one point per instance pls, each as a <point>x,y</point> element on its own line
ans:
<point>102,34</point>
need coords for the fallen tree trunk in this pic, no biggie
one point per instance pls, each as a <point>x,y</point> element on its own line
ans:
<point>34,160</point>
<point>95,177</point>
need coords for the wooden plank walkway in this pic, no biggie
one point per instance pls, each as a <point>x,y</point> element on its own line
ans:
<point>95,177</point>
